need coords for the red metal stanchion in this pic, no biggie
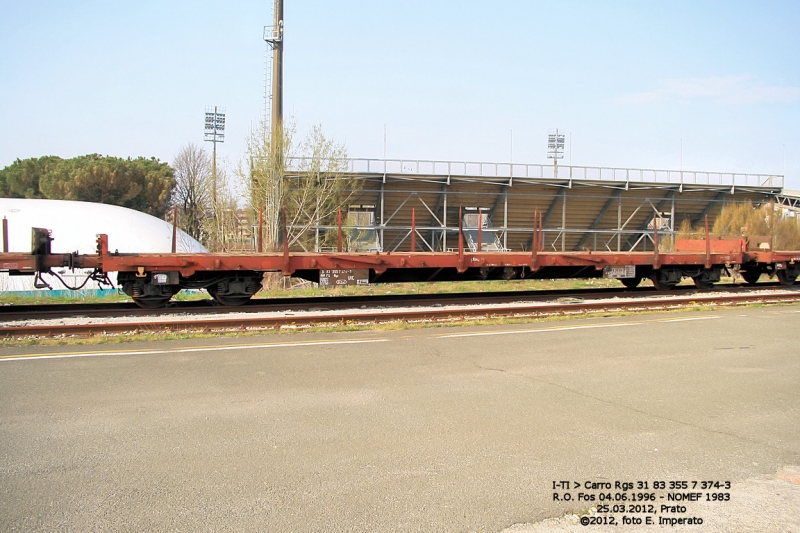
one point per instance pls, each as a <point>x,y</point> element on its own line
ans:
<point>541,234</point>
<point>535,240</point>
<point>460,266</point>
<point>285,239</point>
<point>260,240</point>
<point>656,259</point>
<point>479,247</point>
<point>413,230</point>
<point>339,235</point>
<point>708,246</point>
<point>174,229</point>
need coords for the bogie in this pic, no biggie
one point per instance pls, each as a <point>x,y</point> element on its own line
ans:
<point>235,290</point>
<point>149,290</point>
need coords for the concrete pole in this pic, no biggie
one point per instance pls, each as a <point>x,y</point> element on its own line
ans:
<point>277,72</point>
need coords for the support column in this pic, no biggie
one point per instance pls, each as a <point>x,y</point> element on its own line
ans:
<point>383,184</point>
<point>553,204</point>
<point>436,233</point>
<point>505,221</point>
<point>619,224</point>
<point>672,222</point>
<point>444,221</point>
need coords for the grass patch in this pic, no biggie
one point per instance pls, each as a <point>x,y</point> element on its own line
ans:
<point>14,299</point>
<point>442,287</point>
<point>7,298</point>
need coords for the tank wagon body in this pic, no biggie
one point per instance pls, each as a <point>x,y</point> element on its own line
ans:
<point>151,279</point>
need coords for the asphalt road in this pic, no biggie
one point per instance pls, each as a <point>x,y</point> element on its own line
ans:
<point>439,429</point>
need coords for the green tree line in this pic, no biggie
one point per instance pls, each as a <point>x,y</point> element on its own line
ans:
<point>142,184</point>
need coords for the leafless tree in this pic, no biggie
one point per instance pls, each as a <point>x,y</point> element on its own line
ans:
<point>306,181</point>
<point>224,227</point>
<point>192,193</point>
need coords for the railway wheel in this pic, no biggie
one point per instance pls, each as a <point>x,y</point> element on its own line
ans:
<point>631,283</point>
<point>751,275</point>
<point>786,278</point>
<point>706,278</point>
<point>151,302</point>
<point>665,279</point>
<point>701,282</point>
<point>509,273</point>
<point>663,285</point>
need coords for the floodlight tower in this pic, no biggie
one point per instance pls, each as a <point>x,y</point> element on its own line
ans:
<point>555,148</point>
<point>273,105</point>
<point>215,133</point>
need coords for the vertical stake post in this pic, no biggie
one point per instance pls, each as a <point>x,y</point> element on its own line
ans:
<point>5,235</point>
<point>260,230</point>
<point>174,229</point>
<point>339,239</point>
<point>413,230</point>
<point>656,258</point>
<point>535,240</point>
<point>480,231</point>
<point>541,233</point>
<point>460,267</point>
<point>708,246</point>
<point>285,240</point>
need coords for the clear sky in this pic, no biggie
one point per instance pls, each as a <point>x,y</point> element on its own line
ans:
<point>629,81</point>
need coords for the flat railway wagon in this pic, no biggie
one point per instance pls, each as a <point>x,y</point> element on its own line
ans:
<point>151,280</point>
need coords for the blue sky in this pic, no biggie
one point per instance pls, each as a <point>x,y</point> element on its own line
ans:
<point>629,81</point>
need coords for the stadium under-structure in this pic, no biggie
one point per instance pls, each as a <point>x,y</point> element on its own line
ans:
<point>581,208</point>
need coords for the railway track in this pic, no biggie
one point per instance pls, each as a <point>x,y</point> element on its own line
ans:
<point>305,312</point>
<point>209,306</point>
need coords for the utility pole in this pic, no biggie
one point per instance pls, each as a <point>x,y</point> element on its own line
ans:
<point>273,35</point>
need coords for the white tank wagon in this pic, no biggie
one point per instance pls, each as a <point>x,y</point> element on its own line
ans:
<point>75,226</point>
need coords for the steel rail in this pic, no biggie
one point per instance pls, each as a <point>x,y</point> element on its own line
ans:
<point>359,316</point>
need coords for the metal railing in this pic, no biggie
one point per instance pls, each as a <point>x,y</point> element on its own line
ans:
<point>553,239</point>
<point>467,169</point>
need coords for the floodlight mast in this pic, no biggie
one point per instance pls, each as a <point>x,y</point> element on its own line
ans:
<point>273,35</point>
<point>214,133</point>
<point>555,148</point>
